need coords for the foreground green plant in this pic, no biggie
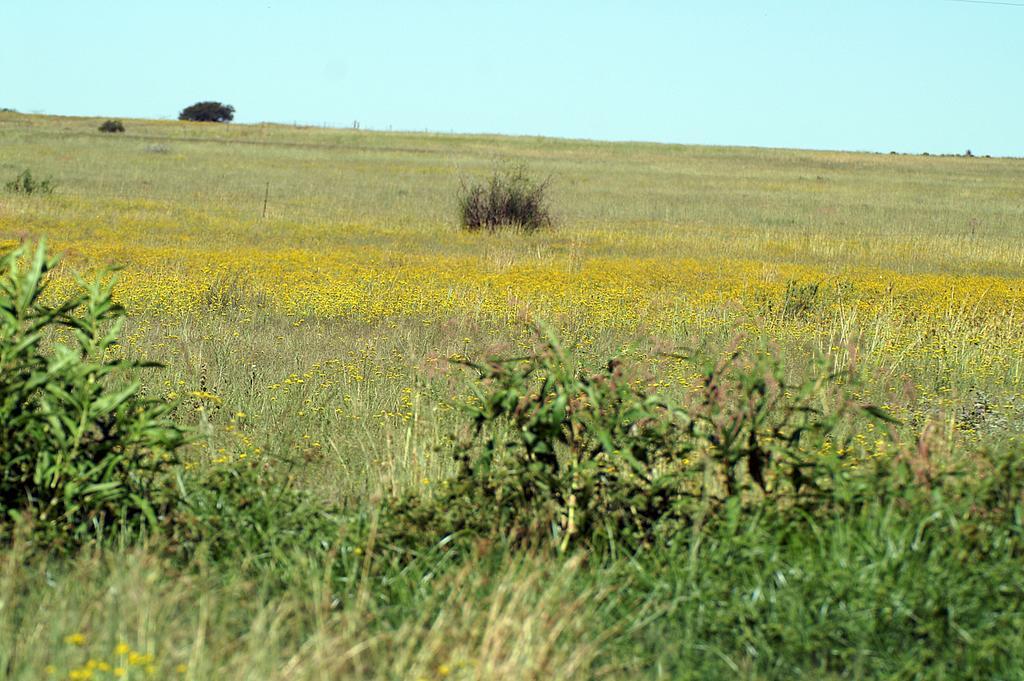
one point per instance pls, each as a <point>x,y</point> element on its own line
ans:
<point>573,456</point>
<point>81,449</point>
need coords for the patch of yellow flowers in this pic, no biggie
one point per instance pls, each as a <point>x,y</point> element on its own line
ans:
<point>123,662</point>
<point>940,323</point>
<point>369,283</point>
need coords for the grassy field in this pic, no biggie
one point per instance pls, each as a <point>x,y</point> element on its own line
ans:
<point>316,339</point>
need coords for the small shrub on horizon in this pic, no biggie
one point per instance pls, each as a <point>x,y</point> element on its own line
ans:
<point>112,126</point>
<point>509,199</point>
<point>208,112</point>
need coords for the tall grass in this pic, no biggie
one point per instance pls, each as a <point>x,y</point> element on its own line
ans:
<point>889,592</point>
<point>490,619</point>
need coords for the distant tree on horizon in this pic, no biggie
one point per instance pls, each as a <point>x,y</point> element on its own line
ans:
<point>208,112</point>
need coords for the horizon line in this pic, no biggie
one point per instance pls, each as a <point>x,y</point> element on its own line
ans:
<point>329,125</point>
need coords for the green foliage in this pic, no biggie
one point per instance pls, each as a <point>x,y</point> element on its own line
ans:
<point>764,436</point>
<point>893,591</point>
<point>509,199</point>
<point>249,510</point>
<point>208,112</point>
<point>24,183</point>
<point>575,456</point>
<point>80,448</point>
<point>111,126</point>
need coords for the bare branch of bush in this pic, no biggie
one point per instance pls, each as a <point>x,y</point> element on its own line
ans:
<point>510,198</point>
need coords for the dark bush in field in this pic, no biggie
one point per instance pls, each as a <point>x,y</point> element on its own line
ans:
<point>509,199</point>
<point>81,450</point>
<point>111,126</point>
<point>24,183</point>
<point>208,112</point>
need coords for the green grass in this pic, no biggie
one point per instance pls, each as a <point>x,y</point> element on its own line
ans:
<point>899,589</point>
<point>882,594</point>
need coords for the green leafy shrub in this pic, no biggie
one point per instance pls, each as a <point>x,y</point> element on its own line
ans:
<point>556,453</point>
<point>80,448</point>
<point>111,126</point>
<point>24,183</point>
<point>509,199</point>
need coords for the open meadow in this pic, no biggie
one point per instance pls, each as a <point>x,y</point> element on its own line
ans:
<point>310,296</point>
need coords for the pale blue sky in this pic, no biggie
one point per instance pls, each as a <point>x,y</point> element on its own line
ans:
<point>905,75</point>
